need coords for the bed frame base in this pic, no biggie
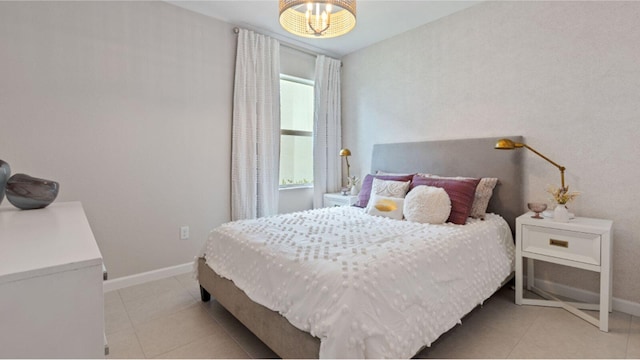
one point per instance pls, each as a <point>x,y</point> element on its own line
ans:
<point>270,327</point>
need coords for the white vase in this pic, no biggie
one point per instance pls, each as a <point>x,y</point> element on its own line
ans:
<point>354,190</point>
<point>560,213</point>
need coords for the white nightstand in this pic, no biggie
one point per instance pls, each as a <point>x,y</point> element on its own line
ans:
<point>337,199</point>
<point>582,243</point>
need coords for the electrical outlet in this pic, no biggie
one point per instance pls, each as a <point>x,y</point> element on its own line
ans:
<point>184,232</point>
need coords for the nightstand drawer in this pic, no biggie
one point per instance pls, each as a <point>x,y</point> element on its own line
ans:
<point>570,245</point>
<point>337,199</point>
<point>332,203</point>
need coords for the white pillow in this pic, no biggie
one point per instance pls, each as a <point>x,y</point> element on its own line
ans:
<point>385,206</point>
<point>390,188</point>
<point>484,191</point>
<point>427,205</point>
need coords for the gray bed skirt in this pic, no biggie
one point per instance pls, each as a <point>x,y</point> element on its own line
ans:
<point>273,329</point>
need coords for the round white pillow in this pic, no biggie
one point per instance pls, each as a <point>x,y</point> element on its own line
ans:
<point>427,205</point>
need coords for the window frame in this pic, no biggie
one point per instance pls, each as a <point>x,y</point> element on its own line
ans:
<point>290,132</point>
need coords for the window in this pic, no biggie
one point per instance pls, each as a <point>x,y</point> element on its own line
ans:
<point>296,132</point>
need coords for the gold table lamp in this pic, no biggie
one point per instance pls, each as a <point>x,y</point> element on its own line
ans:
<point>345,153</point>
<point>507,144</point>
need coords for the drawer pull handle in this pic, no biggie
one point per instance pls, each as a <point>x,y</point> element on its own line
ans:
<point>560,243</point>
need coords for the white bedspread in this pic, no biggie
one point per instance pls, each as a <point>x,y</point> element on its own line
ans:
<point>368,287</point>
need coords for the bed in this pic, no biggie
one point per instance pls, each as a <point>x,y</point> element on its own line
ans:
<point>397,317</point>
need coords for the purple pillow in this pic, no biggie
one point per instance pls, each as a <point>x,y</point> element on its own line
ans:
<point>365,191</point>
<point>461,192</point>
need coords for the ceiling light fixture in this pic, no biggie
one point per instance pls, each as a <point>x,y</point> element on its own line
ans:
<point>318,19</point>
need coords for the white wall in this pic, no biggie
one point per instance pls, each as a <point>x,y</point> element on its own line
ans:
<point>128,106</point>
<point>563,74</point>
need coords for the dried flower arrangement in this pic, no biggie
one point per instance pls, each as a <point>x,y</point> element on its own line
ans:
<point>352,181</point>
<point>562,195</point>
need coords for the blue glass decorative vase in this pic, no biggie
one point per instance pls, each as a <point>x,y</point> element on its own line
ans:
<point>26,192</point>
<point>5,173</point>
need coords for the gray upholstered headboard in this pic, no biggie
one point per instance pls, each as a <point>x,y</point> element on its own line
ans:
<point>462,157</point>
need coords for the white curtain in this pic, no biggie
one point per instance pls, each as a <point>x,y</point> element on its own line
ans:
<point>327,138</point>
<point>255,155</point>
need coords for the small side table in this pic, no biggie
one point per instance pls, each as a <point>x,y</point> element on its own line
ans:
<point>582,243</point>
<point>337,199</point>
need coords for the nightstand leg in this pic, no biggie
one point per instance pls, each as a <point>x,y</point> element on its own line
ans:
<point>604,302</point>
<point>518,280</point>
<point>608,269</point>
<point>530,274</point>
<point>605,287</point>
<point>610,290</point>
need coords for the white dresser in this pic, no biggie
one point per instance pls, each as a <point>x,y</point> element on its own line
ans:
<point>51,297</point>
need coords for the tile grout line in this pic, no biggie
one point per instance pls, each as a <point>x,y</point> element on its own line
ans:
<point>177,347</point>
<point>524,333</point>
<point>199,300</point>
<point>629,339</point>
<point>185,288</point>
<point>198,338</point>
<point>626,349</point>
<point>135,332</point>
<point>141,297</point>
<point>173,312</point>
<point>224,328</point>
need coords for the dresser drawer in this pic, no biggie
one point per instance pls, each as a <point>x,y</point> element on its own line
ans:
<point>569,245</point>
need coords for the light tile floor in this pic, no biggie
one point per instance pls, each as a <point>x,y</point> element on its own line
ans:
<point>166,319</point>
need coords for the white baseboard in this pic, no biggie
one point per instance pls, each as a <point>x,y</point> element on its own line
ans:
<point>144,277</point>
<point>621,305</point>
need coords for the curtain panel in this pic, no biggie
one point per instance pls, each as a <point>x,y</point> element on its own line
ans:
<point>255,155</point>
<point>327,138</point>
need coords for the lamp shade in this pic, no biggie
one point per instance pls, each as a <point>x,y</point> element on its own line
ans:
<point>507,144</point>
<point>345,152</point>
<point>318,18</point>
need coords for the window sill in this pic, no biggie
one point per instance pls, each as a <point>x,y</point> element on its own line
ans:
<point>295,187</point>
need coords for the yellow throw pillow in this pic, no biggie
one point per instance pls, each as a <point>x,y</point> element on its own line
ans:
<point>386,206</point>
